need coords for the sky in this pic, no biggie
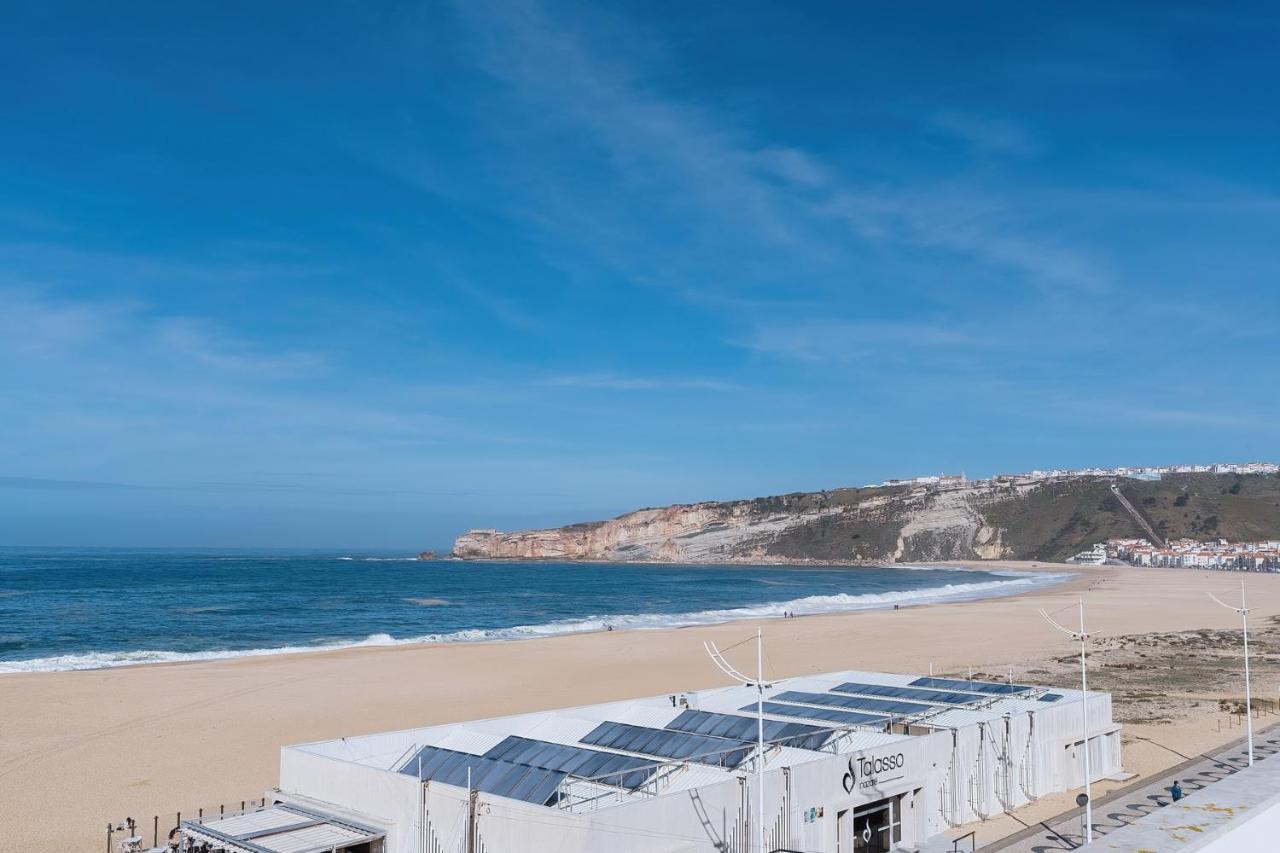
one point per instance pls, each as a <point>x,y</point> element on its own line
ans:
<point>338,274</point>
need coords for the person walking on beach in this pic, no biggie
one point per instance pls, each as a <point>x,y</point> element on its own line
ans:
<point>1176,791</point>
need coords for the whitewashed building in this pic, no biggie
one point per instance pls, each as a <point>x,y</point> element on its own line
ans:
<point>854,761</point>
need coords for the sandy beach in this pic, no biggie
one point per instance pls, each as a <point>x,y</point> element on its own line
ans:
<point>79,749</point>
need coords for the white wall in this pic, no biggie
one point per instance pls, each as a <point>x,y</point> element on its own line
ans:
<point>367,794</point>
<point>720,817</point>
<point>1058,729</point>
<point>695,820</point>
<point>821,784</point>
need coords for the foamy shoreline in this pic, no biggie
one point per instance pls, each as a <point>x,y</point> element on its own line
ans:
<point>1017,582</point>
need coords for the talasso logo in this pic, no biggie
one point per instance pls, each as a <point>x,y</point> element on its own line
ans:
<point>863,772</point>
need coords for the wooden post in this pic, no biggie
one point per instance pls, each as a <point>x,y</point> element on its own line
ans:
<point>110,831</point>
<point>155,832</point>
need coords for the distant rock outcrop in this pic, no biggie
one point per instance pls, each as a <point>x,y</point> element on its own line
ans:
<point>1047,518</point>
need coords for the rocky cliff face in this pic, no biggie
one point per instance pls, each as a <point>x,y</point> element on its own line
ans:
<point>687,532</point>
<point>1005,518</point>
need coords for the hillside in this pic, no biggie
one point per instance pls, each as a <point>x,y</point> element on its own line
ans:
<point>1006,518</point>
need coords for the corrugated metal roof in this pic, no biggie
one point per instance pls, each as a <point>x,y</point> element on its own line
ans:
<point>321,836</point>
<point>788,756</point>
<point>282,828</point>
<point>247,823</point>
<point>468,740</point>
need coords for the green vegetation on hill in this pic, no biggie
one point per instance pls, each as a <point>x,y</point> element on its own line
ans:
<point>1050,522</point>
<point>1062,519</point>
<point>1206,506</point>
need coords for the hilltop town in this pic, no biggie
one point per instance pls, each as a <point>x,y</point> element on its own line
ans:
<point>1145,472</point>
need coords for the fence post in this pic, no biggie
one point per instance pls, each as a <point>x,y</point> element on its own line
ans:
<point>110,831</point>
<point>155,831</point>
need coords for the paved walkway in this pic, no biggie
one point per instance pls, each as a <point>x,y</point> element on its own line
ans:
<point>1127,805</point>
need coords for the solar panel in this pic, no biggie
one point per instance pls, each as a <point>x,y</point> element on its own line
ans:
<point>1050,697</point>
<point>946,697</point>
<point>858,703</point>
<point>608,768</point>
<point>665,743</point>
<point>831,715</point>
<point>502,778</point>
<point>973,686</point>
<point>732,726</point>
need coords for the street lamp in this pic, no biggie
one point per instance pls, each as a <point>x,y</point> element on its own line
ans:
<point>1083,636</point>
<point>717,657</point>
<point>1243,610</point>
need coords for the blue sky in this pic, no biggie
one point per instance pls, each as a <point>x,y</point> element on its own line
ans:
<point>357,275</point>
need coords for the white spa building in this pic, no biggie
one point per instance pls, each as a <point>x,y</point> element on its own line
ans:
<point>854,761</point>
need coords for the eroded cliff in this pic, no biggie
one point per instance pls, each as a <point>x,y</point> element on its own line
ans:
<point>1008,518</point>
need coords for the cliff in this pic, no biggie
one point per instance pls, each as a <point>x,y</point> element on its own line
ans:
<point>1004,518</point>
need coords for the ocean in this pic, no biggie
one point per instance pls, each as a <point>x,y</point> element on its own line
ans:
<point>64,609</point>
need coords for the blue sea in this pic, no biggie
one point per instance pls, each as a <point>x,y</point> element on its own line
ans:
<point>66,609</point>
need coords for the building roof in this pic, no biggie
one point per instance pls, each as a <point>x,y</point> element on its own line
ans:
<point>686,740</point>
<point>283,828</point>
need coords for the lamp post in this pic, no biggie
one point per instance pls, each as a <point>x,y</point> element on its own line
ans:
<point>717,657</point>
<point>1083,636</point>
<point>1243,610</point>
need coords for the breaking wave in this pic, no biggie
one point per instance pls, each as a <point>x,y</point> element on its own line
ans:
<point>1017,582</point>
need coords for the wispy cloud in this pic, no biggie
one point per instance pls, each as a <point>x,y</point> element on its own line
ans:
<point>34,323</point>
<point>974,224</point>
<point>775,209</point>
<point>1173,408</point>
<point>985,134</point>
<point>37,325</point>
<point>54,485</point>
<point>202,342</point>
<point>1208,418</point>
<point>307,486</point>
<point>507,311</point>
<point>612,382</point>
<point>836,341</point>
<point>654,143</point>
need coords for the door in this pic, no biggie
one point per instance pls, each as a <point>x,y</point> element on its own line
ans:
<point>867,830</point>
<point>871,831</point>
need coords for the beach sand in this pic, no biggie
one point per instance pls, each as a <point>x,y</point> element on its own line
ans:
<point>79,749</point>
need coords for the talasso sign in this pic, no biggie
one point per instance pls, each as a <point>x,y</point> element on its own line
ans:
<point>873,771</point>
